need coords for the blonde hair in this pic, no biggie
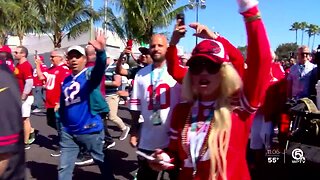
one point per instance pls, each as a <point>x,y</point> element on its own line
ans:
<point>218,141</point>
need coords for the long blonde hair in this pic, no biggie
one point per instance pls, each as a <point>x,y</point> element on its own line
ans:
<point>218,141</point>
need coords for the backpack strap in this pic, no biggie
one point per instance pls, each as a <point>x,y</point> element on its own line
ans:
<point>310,105</point>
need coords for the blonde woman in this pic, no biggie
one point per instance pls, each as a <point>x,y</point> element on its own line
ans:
<point>209,132</point>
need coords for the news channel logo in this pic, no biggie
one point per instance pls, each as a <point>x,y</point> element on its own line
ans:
<point>298,156</point>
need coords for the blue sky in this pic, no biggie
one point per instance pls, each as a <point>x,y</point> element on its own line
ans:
<point>278,15</point>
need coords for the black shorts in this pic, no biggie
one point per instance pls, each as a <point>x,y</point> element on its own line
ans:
<point>51,118</point>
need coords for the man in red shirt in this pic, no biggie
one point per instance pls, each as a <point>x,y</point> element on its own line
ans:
<point>23,73</point>
<point>53,79</point>
<point>38,90</point>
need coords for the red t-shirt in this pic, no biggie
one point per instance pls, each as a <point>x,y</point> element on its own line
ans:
<point>54,78</point>
<point>23,72</point>
<point>36,80</point>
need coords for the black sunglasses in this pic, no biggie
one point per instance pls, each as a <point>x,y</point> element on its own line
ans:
<point>74,55</point>
<point>197,66</point>
<point>305,54</point>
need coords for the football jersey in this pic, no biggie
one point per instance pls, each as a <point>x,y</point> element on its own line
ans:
<point>76,111</point>
<point>167,92</point>
<point>23,72</point>
<point>54,78</point>
<point>36,80</point>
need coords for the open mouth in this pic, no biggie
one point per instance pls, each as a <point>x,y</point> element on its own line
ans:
<point>204,82</point>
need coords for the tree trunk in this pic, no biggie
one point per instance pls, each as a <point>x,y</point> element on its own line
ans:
<point>309,41</point>
<point>3,39</point>
<point>314,36</point>
<point>20,39</point>
<point>57,39</point>
<point>302,37</point>
<point>296,36</point>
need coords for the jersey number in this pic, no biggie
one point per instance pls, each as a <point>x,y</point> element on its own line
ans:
<point>51,78</point>
<point>71,92</point>
<point>165,88</point>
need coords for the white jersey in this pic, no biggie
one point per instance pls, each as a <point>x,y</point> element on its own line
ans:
<point>168,91</point>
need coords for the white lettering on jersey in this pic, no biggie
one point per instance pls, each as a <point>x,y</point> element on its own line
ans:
<point>51,79</point>
<point>71,92</point>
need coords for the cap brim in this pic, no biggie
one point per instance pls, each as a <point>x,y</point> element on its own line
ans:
<point>144,50</point>
<point>206,56</point>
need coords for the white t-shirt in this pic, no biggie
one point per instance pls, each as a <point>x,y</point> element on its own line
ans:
<point>154,136</point>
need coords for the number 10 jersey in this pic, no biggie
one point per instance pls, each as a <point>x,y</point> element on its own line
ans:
<point>154,89</point>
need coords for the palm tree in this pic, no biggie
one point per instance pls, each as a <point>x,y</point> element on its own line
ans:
<point>142,17</point>
<point>64,18</point>
<point>303,26</point>
<point>7,8</point>
<point>311,31</point>
<point>295,27</point>
<point>316,33</point>
<point>24,19</point>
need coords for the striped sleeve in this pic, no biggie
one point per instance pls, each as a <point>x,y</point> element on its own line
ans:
<point>241,103</point>
<point>135,103</point>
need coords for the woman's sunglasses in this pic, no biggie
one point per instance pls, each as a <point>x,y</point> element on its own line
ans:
<point>198,66</point>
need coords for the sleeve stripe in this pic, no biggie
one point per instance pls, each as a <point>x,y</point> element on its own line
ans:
<point>173,131</point>
<point>6,138</point>
<point>174,137</point>
<point>244,103</point>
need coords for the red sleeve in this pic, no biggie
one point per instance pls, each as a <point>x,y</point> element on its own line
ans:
<point>179,116</point>
<point>257,76</point>
<point>174,68</point>
<point>234,54</point>
<point>27,72</point>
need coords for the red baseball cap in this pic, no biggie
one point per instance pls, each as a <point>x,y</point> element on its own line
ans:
<point>5,48</point>
<point>211,50</point>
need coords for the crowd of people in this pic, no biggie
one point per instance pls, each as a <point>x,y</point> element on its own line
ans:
<point>193,117</point>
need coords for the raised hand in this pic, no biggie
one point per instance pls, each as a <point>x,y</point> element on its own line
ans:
<point>244,5</point>
<point>37,61</point>
<point>178,33</point>
<point>203,31</point>
<point>100,42</point>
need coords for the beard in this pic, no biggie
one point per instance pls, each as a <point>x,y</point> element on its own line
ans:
<point>158,59</point>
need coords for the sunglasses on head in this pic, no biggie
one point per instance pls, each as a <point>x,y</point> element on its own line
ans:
<point>198,66</point>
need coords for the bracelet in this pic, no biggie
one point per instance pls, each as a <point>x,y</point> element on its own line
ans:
<point>253,18</point>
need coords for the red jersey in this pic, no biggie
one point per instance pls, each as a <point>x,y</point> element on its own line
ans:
<point>23,72</point>
<point>54,78</point>
<point>276,98</point>
<point>256,79</point>
<point>36,80</point>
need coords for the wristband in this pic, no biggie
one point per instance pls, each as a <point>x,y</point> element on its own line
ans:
<point>253,18</point>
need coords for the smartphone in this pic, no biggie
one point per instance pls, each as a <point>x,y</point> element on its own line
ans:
<point>35,54</point>
<point>182,22</point>
<point>152,158</point>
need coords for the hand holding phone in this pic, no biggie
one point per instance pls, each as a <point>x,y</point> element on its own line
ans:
<point>181,20</point>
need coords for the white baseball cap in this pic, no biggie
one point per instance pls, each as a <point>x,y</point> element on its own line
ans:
<point>77,48</point>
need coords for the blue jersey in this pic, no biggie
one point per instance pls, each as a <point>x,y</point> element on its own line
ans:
<point>76,115</point>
